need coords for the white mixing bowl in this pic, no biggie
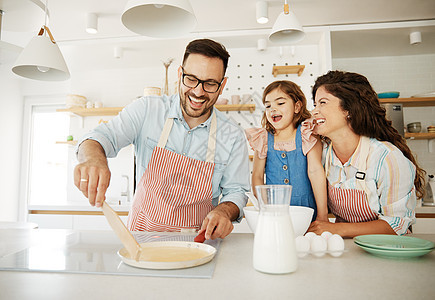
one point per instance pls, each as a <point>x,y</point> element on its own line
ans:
<point>300,216</point>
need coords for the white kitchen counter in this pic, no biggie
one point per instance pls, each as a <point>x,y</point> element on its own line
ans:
<point>355,275</point>
<point>75,206</point>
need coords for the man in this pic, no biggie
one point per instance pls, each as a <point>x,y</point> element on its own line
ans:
<point>188,154</point>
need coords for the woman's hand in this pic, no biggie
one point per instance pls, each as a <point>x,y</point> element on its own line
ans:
<point>350,230</point>
<point>318,227</point>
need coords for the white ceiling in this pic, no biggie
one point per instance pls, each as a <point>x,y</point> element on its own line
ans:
<point>229,21</point>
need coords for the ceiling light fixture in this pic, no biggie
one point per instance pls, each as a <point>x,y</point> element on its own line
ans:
<point>261,44</point>
<point>42,59</point>
<point>117,52</point>
<point>262,13</point>
<point>91,23</point>
<point>415,38</point>
<point>8,51</point>
<point>287,29</point>
<point>159,18</point>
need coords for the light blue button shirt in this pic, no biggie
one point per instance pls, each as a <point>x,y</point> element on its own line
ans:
<point>141,124</point>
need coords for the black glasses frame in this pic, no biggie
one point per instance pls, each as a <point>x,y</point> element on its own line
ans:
<point>200,82</point>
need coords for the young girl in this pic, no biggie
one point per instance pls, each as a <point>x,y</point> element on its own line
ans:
<point>285,149</point>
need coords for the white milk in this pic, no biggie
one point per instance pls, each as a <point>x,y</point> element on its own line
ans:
<point>274,243</point>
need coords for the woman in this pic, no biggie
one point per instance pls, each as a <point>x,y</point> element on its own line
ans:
<point>373,179</point>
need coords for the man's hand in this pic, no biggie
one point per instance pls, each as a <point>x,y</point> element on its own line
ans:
<point>92,175</point>
<point>218,222</point>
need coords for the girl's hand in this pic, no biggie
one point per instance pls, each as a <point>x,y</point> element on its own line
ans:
<point>318,227</point>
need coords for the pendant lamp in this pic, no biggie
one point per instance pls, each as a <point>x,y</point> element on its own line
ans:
<point>42,59</point>
<point>159,18</point>
<point>287,29</point>
<point>8,51</point>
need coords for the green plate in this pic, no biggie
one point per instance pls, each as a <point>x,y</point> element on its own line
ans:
<point>394,253</point>
<point>393,242</point>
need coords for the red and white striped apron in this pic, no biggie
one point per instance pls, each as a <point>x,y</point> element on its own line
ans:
<point>351,205</point>
<point>175,191</point>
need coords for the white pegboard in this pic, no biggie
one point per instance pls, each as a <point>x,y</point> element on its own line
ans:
<point>250,71</point>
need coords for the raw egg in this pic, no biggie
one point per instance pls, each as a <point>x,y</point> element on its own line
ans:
<point>318,246</point>
<point>302,245</point>
<point>326,235</point>
<point>335,245</point>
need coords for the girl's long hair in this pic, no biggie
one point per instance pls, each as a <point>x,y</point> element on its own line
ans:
<point>292,90</point>
<point>367,116</point>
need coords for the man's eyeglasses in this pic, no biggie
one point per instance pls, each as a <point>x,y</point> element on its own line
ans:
<point>209,86</point>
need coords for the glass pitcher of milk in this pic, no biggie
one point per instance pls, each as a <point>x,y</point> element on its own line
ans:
<point>274,241</point>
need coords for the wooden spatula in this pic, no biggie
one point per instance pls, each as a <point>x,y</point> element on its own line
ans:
<point>122,232</point>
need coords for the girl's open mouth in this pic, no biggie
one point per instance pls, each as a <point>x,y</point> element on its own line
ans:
<point>276,118</point>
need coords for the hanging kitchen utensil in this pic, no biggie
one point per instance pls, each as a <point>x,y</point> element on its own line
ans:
<point>127,239</point>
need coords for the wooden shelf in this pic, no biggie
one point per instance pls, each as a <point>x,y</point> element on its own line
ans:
<point>73,143</point>
<point>298,69</point>
<point>86,112</point>
<point>113,111</point>
<point>410,102</point>
<point>236,107</point>
<point>420,135</point>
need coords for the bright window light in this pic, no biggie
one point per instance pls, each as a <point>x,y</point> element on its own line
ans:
<point>48,160</point>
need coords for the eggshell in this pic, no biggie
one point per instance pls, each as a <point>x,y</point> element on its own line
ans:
<point>335,245</point>
<point>310,235</point>
<point>302,245</point>
<point>326,235</point>
<point>318,246</point>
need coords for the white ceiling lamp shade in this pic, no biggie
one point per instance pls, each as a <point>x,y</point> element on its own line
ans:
<point>92,23</point>
<point>287,29</point>
<point>8,51</point>
<point>159,18</point>
<point>415,38</point>
<point>42,59</point>
<point>262,12</point>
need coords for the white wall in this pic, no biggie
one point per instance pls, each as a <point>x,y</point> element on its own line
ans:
<point>11,113</point>
<point>409,75</point>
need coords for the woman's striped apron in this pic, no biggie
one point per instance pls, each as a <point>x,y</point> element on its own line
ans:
<point>175,191</point>
<point>351,205</point>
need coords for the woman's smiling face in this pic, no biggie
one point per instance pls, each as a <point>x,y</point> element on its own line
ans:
<point>280,109</point>
<point>330,117</point>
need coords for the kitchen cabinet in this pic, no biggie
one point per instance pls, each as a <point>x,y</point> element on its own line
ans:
<point>425,220</point>
<point>413,102</point>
